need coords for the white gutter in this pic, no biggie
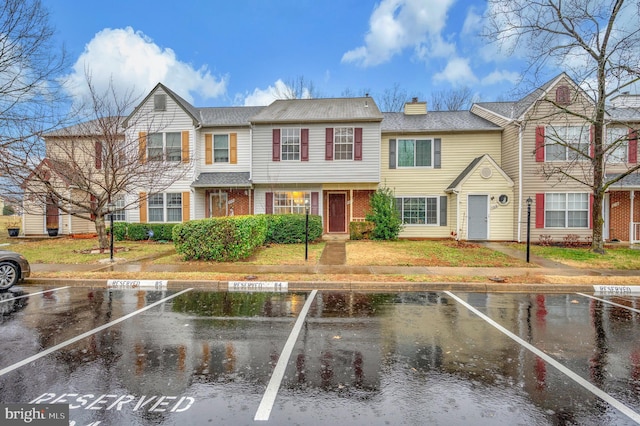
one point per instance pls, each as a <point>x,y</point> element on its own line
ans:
<point>520,131</point>
<point>458,230</point>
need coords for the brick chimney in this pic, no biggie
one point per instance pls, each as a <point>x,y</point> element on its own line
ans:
<point>415,108</point>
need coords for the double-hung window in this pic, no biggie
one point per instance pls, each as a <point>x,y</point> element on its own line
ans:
<point>343,143</point>
<point>291,202</point>
<point>566,143</point>
<point>418,210</point>
<point>415,153</point>
<point>617,145</point>
<point>566,210</point>
<point>290,144</point>
<point>220,148</point>
<point>118,212</point>
<point>165,207</point>
<point>161,146</point>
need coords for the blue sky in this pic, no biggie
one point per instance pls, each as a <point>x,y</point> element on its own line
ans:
<point>221,53</point>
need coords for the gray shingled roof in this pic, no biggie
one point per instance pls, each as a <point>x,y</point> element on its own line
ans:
<point>227,116</point>
<point>223,180</point>
<point>435,121</point>
<point>319,110</point>
<point>627,182</point>
<point>514,110</point>
<point>88,128</point>
<point>464,173</point>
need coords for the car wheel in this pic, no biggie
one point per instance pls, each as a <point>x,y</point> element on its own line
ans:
<point>9,275</point>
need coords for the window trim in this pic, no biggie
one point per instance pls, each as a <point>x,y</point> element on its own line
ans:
<point>400,207</point>
<point>284,133</point>
<point>213,148</point>
<point>305,196</point>
<point>567,210</point>
<point>165,152</point>
<point>352,144</point>
<point>623,143</point>
<point>415,148</point>
<point>549,142</point>
<point>119,214</point>
<point>165,207</point>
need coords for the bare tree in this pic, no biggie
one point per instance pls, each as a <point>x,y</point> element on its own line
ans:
<point>30,64</point>
<point>297,88</point>
<point>393,99</point>
<point>96,162</point>
<point>596,43</point>
<point>452,99</point>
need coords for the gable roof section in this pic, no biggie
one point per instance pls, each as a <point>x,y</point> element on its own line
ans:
<point>186,106</point>
<point>471,168</point>
<point>436,121</point>
<point>320,111</point>
<point>517,110</point>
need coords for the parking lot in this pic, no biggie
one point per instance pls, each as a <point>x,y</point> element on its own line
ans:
<point>186,356</point>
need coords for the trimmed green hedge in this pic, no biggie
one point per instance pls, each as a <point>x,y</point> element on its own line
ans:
<point>220,238</point>
<point>140,231</point>
<point>290,228</point>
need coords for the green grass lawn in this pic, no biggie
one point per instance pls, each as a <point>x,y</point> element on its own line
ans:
<point>623,258</point>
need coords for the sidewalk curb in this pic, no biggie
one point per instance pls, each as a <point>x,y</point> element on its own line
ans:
<point>353,286</point>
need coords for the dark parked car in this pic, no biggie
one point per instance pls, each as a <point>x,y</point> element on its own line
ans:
<point>13,267</point>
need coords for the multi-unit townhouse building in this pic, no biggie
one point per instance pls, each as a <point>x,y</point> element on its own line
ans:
<point>455,174</point>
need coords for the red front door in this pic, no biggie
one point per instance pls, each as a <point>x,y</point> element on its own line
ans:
<point>337,212</point>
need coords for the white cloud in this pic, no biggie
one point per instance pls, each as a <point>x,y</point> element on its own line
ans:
<point>134,62</point>
<point>457,73</point>
<point>396,25</point>
<point>500,76</point>
<point>279,90</point>
<point>472,24</point>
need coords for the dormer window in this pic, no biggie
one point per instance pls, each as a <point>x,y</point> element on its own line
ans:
<point>563,95</point>
<point>160,102</point>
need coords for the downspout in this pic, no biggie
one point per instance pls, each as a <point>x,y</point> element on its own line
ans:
<point>192,211</point>
<point>632,227</point>
<point>252,206</point>
<point>458,230</point>
<point>520,131</point>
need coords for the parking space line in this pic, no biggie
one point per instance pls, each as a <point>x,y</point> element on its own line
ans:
<point>269,397</point>
<point>610,302</point>
<point>33,294</point>
<point>575,377</point>
<point>87,334</point>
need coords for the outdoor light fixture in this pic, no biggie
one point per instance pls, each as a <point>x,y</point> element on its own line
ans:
<point>529,202</point>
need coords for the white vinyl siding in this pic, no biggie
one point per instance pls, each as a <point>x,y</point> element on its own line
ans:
<point>317,169</point>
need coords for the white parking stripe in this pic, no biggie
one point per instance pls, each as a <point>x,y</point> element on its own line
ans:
<point>582,382</point>
<point>84,335</point>
<point>610,302</point>
<point>33,294</point>
<point>269,397</point>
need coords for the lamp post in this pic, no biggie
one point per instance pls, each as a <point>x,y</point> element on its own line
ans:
<point>529,202</point>
<point>306,230</point>
<point>110,208</point>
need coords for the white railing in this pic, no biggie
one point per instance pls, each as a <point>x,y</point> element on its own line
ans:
<point>635,238</point>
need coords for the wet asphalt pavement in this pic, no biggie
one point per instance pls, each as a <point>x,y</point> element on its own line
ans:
<point>194,357</point>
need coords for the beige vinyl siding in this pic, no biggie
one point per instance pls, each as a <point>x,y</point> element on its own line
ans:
<point>458,150</point>
<point>534,182</point>
<point>316,169</point>
<point>500,217</point>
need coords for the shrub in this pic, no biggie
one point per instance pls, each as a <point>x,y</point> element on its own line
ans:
<point>140,231</point>
<point>220,238</point>
<point>545,240</point>
<point>571,240</point>
<point>8,210</point>
<point>290,228</point>
<point>384,215</point>
<point>360,230</point>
